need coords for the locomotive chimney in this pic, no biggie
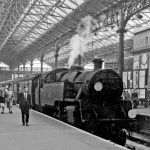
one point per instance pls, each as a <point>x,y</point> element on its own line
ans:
<point>97,63</point>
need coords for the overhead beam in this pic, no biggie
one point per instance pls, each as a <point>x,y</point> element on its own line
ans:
<point>17,25</point>
<point>129,8</point>
<point>108,17</point>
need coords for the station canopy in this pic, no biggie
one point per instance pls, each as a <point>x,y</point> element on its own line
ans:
<point>30,28</point>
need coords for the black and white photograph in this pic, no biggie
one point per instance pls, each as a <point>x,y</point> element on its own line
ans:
<point>74,74</point>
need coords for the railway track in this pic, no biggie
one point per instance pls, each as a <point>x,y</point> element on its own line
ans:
<point>140,139</point>
<point>136,146</point>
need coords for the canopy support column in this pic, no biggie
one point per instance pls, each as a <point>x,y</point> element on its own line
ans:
<point>121,32</point>
<point>31,64</point>
<point>42,60</point>
<point>24,71</point>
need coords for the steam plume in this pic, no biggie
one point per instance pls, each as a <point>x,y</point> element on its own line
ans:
<point>78,42</point>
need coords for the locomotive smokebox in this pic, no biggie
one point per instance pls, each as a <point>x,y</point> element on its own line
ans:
<point>97,63</point>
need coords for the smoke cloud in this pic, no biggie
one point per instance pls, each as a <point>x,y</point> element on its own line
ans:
<point>78,47</point>
<point>78,42</point>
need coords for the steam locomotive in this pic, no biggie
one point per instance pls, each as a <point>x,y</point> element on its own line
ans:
<point>90,100</point>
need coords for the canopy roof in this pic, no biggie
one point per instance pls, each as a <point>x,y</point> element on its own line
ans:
<point>28,27</point>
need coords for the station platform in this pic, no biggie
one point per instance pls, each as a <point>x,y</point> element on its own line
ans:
<point>46,133</point>
<point>143,122</point>
<point>143,111</point>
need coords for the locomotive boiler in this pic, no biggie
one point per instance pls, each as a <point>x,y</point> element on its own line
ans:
<point>90,100</point>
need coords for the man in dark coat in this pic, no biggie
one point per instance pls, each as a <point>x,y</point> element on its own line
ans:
<point>134,97</point>
<point>25,105</point>
<point>2,100</point>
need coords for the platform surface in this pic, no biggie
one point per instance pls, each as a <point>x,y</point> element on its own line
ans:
<point>143,111</point>
<point>45,133</point>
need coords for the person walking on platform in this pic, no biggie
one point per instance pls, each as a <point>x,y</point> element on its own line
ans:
<point>2,101</point>
<point>25,105</point>
<point>9,99</point>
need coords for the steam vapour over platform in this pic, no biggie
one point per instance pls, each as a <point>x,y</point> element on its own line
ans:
<point>78,42</point>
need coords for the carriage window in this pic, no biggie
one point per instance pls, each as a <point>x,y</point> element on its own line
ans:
<point>146,40</point>
<point>47,79</point>
<point>51,78</point>
<point>42,83</point>
<point>58,76</point>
